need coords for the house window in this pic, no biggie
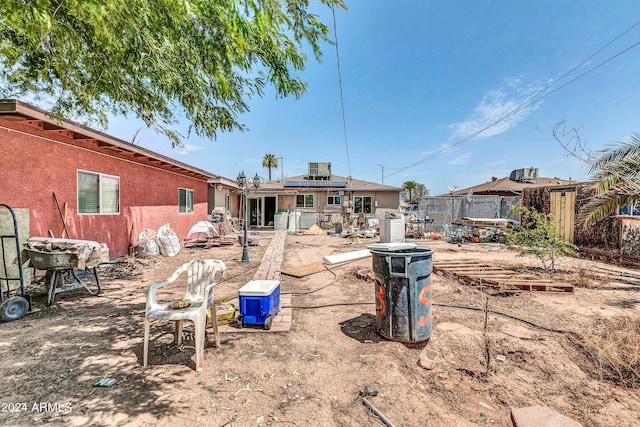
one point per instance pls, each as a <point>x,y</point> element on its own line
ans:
<point>185,200</point>
<point>333,200</point>
<point>305,201</point>
<point>362,204</point>
<point>98,193</point>
<point>631,209</point>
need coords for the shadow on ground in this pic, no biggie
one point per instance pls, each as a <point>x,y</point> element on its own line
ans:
<point>361,328</point>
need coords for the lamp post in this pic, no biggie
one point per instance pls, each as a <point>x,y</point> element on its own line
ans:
<point>241,180</point>
<point>382,174</point>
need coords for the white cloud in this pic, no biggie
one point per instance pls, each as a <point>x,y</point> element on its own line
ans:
<point>189,148</point>
<point>498,111</point>
<point>461,159</point>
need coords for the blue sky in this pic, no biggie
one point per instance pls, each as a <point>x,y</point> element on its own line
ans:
<point>420,77</point>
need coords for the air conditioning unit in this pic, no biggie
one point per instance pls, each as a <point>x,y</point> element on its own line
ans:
<point>530,174</point>
<point>526,174</point>
<point>320,169</point>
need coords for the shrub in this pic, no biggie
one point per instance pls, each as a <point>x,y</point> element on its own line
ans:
<point>537,235</point>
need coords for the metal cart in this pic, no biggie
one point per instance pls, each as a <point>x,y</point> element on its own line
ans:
<point>16,306</point>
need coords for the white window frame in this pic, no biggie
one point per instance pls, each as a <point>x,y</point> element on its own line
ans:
<point>186,207</point>
<point>633,208</point>
<point>357,209</point>
<point>101,178</point>
<point>304,204</point>
<point>334,203</point>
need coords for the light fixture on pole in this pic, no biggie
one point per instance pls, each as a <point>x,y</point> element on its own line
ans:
<point>241,180</point>
<point>382,173</point>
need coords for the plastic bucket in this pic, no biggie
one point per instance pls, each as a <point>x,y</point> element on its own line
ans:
<point>402,291</point>
<point>280,221</point>
<point>294,221</point>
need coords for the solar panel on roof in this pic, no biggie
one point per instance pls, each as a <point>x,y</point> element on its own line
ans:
<point>316,184</point>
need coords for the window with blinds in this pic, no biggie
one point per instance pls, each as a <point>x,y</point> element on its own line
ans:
<point>362,204</point>
<point>305,201</point>
<point>185,200</point>
<point>98,193</point>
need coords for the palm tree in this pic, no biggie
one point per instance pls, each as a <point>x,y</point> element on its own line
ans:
<point>270,161</point>
<point>410,186</point>
<point>615,174</point>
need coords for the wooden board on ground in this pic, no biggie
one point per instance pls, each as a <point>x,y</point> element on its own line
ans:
<point>304,270</point>
<point>346,256</point>
<point>201,243</point>
<point>479,273</point>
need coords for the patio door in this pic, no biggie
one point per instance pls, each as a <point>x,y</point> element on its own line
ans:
<point>261,211</point>
<point>255,212</point>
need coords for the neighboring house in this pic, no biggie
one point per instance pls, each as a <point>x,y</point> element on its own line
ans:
<point>221,198</point>
<point>491,199</point>
<point>513,185</point>
<point>108,190</point>
<point>321,198</point>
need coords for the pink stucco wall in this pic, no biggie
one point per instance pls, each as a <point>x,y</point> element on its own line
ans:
<point>32,169</point>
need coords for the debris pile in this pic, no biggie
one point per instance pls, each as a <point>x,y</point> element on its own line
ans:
<point>127,268</point>
<point>315,230</point>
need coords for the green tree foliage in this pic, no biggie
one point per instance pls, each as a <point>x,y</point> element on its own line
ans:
<point>615,172</point>
<point>420,193</point>
<point>157,59</point>
<point>269,161</point>
<point>538,237</point>
<point>413,192</point>
<point>408,186</point>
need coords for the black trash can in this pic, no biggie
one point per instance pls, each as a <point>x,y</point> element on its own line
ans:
<point>403,291</point>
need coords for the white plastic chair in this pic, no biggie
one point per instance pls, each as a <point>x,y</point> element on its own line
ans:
<point>201,275</point>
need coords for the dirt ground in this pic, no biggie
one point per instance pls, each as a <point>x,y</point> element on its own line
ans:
<point>311,375</point>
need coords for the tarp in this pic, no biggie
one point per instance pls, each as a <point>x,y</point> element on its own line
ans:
<point>203,227</point>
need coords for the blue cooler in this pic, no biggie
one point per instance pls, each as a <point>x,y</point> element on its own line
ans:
<point>259,302</point>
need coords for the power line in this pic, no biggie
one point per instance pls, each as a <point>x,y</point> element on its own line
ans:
<point>344,120</point>
<point>537,97</point>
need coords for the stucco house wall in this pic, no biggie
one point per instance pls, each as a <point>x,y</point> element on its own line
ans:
<point>36,162</point>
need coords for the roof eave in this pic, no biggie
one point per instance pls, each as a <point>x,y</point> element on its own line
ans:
<point>28,111</point>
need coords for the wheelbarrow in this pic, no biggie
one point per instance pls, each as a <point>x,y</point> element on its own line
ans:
<point>12,307</point>
<point>60,268</point>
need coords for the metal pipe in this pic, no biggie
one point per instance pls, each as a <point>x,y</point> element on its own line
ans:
<point>64,224</point>
<point>375,410</point>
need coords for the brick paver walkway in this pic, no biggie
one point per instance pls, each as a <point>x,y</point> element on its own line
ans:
<point>272,259</point>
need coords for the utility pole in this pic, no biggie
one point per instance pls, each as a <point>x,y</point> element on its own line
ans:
<point>382,173</point>
<point>281,167</point>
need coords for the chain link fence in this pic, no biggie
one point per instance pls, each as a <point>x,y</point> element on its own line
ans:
<point>442,211</point>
